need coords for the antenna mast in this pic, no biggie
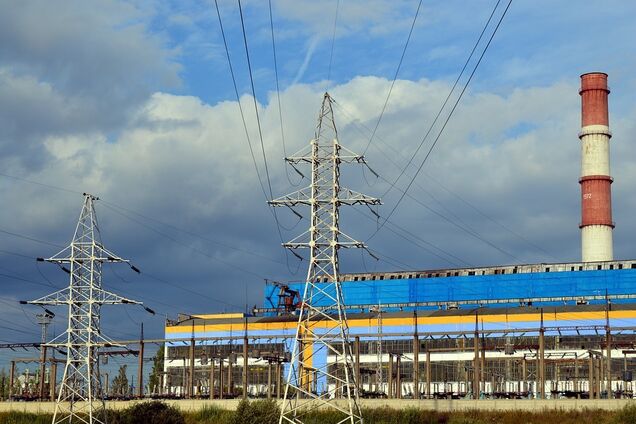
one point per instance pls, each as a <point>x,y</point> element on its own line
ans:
<point>322,323</point>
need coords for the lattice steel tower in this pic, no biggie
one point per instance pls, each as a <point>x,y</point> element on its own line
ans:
<point>322,322</point>
<point>81,390</point>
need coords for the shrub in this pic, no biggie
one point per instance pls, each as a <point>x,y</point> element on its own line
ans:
<point>15,417</point>
<point>259,411</point>
<point>627,415</point>
<point>152,412</point>
<point>210,415</point>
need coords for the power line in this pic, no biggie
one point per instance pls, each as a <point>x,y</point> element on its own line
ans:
<point>176,241</point>
<point>40,184</point>
<point>238,99</point>
<point>193,234</point>
<point>280,109</point>
<point>182,230</point>
<point>450,93</point>
<point>227,52</point>
<point>258,119</point>
<point>439,134</point>
<point>333,40</point>
<point>397,71</point>
<point>389,158</point>
<point>22,236</point>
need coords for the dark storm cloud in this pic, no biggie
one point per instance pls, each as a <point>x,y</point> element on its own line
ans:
<point>65,69</point>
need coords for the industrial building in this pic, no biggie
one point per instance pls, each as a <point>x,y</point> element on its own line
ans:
<point>516,331</point>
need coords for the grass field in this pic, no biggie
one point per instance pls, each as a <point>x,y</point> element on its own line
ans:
<point>264,412</point>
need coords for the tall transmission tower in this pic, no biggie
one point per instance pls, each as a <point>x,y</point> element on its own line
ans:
<point>322,323</point>
<point>80,396</point>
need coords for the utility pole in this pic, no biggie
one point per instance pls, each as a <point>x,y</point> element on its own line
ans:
<point>322,322</point>
<point>80,393</point>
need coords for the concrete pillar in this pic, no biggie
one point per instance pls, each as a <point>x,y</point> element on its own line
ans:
<point>53,380</point>
<point>11,379</point>
<point>398,377</point>
<point>591,383</point>
<point>542,360</point>
<point>229,376</point>
<point>269,379</point>
<point>390,393</point>
<point>140,370</point>
<point>245,366</point>
<point>428,373</point>
<point>524,372</point>
<point>211,394</point>
<point>476,367</point>
<point>576,376</point>
<point>42,373</point>
<point>416,366</point>
<point>608,341</point>
<point>221,383</point>
<point>190,383</point>
<point>279,367</point>
<point>356,350</point>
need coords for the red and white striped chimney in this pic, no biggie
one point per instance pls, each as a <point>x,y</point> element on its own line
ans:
<point>596,193</point>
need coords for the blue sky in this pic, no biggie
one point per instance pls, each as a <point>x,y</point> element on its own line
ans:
<point>133,101</point>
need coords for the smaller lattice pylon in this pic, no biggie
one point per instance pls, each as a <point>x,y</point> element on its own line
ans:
<point>80,397</point>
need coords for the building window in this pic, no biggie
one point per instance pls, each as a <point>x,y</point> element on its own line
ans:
<point>599,267</point>
<point>503,271</point>
<point>611,266</point>
<point>363,278</point>
<point>471,272</point>
<point>547,269</point>
<point>392,277</point>
<point>430,275</point>
<point>633,266</point>
<point>373,277</point>
<point>381,277</point>
<point>580,267</point>
<point>355,278</point>
<point>448,274</point>
<point>571,268</point>
<point>514,270</point>
<point>620,266</point>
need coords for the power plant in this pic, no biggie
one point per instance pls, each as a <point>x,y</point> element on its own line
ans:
<point>542,331</point>
<point>324,344</point>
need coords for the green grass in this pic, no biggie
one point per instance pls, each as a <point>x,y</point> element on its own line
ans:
<point>265,412</point>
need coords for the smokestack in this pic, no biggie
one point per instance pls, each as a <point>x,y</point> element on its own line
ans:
<point>596,193</point>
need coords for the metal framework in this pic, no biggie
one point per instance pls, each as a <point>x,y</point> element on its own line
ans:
<point>309,384</point>
<point>81,390</point>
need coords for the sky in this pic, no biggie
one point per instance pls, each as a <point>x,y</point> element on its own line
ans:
<point>133,101</point>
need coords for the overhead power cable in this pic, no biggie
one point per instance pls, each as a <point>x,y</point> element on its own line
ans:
<point>397,71</point>
<point>260,132</point>
<point>258,119</point>
<point>333,40</point>
<point>450,93</point>
<point>22,236</point>
<point>441,131</point>
<point>180,243</point>
<point>395,152</point>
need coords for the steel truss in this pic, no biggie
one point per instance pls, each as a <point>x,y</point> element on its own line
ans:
<point>311,385</point>
<point>80,398</point>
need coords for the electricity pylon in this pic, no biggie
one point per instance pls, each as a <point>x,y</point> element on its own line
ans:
<point>81,389</point>
<point>322,322</point>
